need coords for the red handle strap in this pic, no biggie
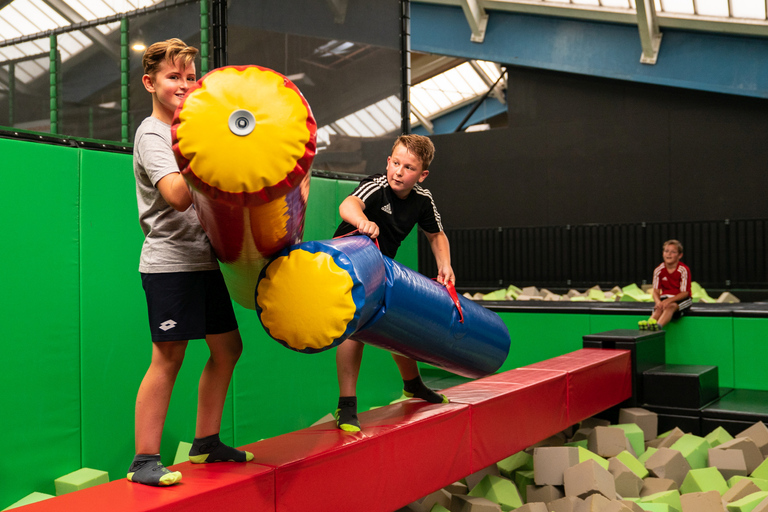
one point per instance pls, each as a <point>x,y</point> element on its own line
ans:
<point>452,292</point>
<point>357,232</point>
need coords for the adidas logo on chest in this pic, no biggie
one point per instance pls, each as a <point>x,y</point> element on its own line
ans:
<point>387,208</point>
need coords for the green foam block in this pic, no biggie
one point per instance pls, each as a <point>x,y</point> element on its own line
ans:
<point>438,508</point>
<point>28,500</point>
<point>635,435</point>
<point>633,463</point>
<point>671,498</point>
<point>80,479</point>
<point>498,490</point>
<point>585,455</point>
<point>703,480</point>
<point>761,471</point>
<point>646,455</point>
<point>747,503</point>
<point>655,507</point>
<point>762,484</point>
<point>182,452</point>
<point>520,460</point>
<point>524,478</point>
<point>718,437</point>
<point>695,449</point>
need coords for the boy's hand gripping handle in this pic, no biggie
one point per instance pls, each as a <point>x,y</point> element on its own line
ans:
<point>452,292</point>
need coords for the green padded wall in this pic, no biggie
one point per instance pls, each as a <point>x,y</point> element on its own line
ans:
<point>750,342</point>
<point>703,341</point>
<point>40,307</point>
<point>539,336</point>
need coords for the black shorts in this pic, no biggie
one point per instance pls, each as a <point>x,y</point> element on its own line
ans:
<point>682,305</point>
<point>188,305</point>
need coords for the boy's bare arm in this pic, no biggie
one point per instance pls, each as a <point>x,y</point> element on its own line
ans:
<point>351,211</point>
<point>442,251</point>
<point>175,191</point>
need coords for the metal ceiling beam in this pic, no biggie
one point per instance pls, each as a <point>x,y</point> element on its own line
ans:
<point>496,92</point>
<point>69,14</point>
<point>477,19</point>
<point>650,36</point>
<point>713,24</point>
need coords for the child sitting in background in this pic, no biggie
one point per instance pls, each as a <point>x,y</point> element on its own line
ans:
<point>671,288</point>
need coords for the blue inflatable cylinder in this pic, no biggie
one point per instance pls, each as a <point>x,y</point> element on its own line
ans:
<point>419,319</point>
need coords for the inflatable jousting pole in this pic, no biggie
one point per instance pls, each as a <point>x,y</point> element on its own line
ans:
<point>245,138</point>
<point>313,296</point>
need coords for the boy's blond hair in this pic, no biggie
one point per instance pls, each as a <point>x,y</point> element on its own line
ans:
<point>418,145</point>
<point>674,242</point>
<point>169,50</point>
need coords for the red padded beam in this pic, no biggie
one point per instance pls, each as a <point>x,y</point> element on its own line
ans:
<point>512,410</point>
<point>597,379</point>
<point>404,452</point>
<point>232,487</point>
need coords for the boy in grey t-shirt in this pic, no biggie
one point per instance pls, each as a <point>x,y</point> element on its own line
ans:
<point>186,295</point>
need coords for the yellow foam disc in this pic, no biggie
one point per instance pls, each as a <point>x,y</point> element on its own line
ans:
<point>260,159</point>
<point>306,300</point>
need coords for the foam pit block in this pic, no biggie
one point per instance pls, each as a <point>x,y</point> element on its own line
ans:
<point>633,463</point>
<point>544,493</point>
<point>730,463</point>
<point>759,434</point>
<point>567,504</point>
<point>29,499</point>
<point>440,497</point>
<point>550,463</point>
<point>759,482</point>
<point>708,501</point>
<point>718,436</point>
<point>670,498</point>
<point>628,484</point>
<point>182,452</point>
<point>585,454</point>
<point>747,503</point>
<point>588,478</point>
<point>475,478</point>
<point>596,503</point>
<point>646,420</point>
<point>520,460</point>
<point>647,455</point>
<point>752,456</point>
<point>694,449</point>
<point>668,463</point>
<point>607,441</point>
<point>702,480</point>
<point>654,485</point>
<point>81,479</point>
<point>499,490</point>
<point>761,471</point>
<point>533,507</point>
<point>524,478</point>
<point>635,435</point>
<point>739,490</point>
<point>465,503</point>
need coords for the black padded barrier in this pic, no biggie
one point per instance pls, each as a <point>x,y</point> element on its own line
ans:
<point>724,254</point>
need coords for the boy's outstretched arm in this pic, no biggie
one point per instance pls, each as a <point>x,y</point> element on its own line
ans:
<point>351,211</point>
<point>442,251</point>
<point>175,191</point>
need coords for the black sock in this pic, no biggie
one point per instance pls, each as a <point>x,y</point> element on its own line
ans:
<point>346,414</point>
<point>211,449</point>
<point>148,470</point>
<point>417,388</point>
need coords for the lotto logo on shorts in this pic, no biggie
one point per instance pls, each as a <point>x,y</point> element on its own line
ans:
<point>168,324</point>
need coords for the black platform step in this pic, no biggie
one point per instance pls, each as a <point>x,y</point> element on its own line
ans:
<point>689,420</point>
<point>736,411</point>
<point>679,385</point>
<point>647,349</point>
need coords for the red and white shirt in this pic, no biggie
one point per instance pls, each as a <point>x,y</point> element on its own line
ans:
<point>672,283</point>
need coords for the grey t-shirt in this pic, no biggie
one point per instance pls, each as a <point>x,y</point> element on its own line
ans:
<point>174,241</point>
